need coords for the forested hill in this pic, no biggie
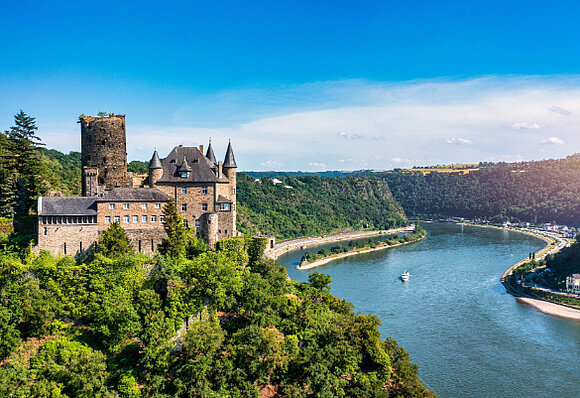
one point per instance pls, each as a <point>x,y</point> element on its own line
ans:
<point>543,191</point>
<point>312,205</point>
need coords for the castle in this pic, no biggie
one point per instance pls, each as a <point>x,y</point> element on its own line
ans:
<point>203,189</point>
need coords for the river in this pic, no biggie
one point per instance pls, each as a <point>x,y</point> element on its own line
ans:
<point>468,336</point>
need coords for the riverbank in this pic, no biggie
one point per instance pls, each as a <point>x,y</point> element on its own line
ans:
<point>539,304</point>
<point>286,246</point>
<point>331,258</point>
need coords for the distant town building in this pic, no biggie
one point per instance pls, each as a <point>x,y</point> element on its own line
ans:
<point>204,191</point>
<point>573,284</point>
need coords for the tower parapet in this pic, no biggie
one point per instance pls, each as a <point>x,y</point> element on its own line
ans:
<point>104,147</point>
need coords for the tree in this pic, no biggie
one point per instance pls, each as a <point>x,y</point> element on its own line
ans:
<point>114,242</point>
<point>175,243</point>
<point>320,281</point>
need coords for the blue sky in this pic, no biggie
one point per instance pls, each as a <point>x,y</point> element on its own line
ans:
<point>302,85</point>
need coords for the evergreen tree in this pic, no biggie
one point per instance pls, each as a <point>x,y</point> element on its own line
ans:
<point>176,241</point>
<point>114,242</point>
<point>7,194</point>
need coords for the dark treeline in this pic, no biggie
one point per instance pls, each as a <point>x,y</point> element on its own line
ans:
<point>312,205</point>
<point>543,191</point>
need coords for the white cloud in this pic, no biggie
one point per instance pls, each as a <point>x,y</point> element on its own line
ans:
<point>366,124</point>
<point>526,126</point>
<point>553,141</point>
<point>272,164</point>
<point>400,160</point>
<point>350,136</point>
<point>459,141</point>
<point>560,110</point>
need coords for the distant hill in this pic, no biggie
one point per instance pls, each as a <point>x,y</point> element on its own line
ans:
<point>273,174</point>
<point>313,205</point>
<point>541,191</point>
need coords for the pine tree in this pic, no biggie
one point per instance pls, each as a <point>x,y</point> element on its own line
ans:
<point>7,194</point>
<point>114,242</point>
<point>174,244</point>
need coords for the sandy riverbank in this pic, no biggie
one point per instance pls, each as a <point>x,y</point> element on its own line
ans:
<point>284,247</point>
<point>551,308</point>
<point>329,259</point>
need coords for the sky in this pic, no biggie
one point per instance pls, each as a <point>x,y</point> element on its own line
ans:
<point>302,85</point>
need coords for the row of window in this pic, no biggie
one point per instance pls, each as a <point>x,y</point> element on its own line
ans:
<point>69,220</point>
<point>134,219</point>
<point>203,190</point>
<point>112,206</point>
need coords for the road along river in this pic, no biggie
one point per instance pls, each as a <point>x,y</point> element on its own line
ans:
<point>469,337</point>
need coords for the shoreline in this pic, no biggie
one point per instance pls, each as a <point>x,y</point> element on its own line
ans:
<point>326,260</point>
<point>547,307</point>
<point>289,245</point>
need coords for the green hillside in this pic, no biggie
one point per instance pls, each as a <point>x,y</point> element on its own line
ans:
<point>543,191</point>
<point>313,205</point>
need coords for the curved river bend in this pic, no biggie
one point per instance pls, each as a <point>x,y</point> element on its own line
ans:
<point>468,336</point>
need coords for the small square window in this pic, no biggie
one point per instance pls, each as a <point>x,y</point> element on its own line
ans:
<point>126,206</point>
<point>184,207</point>
<point>204,190</point>
<point>197,224</point>
<point>117,218</point>
<point>184,190</point>
<point>204,206</point>
<point>162,218</point>
<point>144,219</point>
<point>111,206</point>
<point>153,218</point>
<point>185,224</point>
<point>144,206</point>
<point>135,219</point>
<point>158,205</point>
<point>107,219</point>
<point>125,218</point>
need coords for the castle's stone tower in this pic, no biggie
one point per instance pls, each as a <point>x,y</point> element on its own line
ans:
<point>229,169</point>
<point>104,147</point>
<point>155,170</point>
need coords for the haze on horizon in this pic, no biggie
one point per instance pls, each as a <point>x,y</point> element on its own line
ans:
<point>302,86</point>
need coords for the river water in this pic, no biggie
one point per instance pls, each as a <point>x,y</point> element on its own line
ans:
<point>468,336</point>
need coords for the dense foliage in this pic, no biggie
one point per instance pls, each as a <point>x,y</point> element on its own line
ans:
<point>213,323</point>
<point>544,191</point>
<point>312,205</point>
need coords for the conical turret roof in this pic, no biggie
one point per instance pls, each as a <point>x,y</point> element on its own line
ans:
<point>155,162</point>
<point>209,154</point>
<point>230,160</point>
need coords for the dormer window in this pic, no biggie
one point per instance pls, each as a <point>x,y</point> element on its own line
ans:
<point>184,174</point>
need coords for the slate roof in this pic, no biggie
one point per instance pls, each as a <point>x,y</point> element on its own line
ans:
<point>133,195</point>
<point>155,162</point>
<point>210,155</point>
<point>67,206</point>
<point>230,160</point>
<point>201,167</point>
<point>223,199</point>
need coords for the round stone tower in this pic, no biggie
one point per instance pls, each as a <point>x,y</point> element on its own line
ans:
<point>104,147</point>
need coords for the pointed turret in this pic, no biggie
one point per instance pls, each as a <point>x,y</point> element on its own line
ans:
<point>209,154</point>
<point>155,170</point>
<point>230,160</point>
<point>155,162</point>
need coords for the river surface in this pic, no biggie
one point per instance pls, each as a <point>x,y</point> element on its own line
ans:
<point>468,336</point>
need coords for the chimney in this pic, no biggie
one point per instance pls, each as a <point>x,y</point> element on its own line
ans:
<point>201,149</point>
<point>220,164</point>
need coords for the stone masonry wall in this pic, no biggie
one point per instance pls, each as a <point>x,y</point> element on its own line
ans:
<point>103,145</point>
<point>66,238</point>
<point>193,199</point>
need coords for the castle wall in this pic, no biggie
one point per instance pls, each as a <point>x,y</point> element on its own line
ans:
<point>103,145</point>
<point>67,239</point>
<point>194,199</point>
